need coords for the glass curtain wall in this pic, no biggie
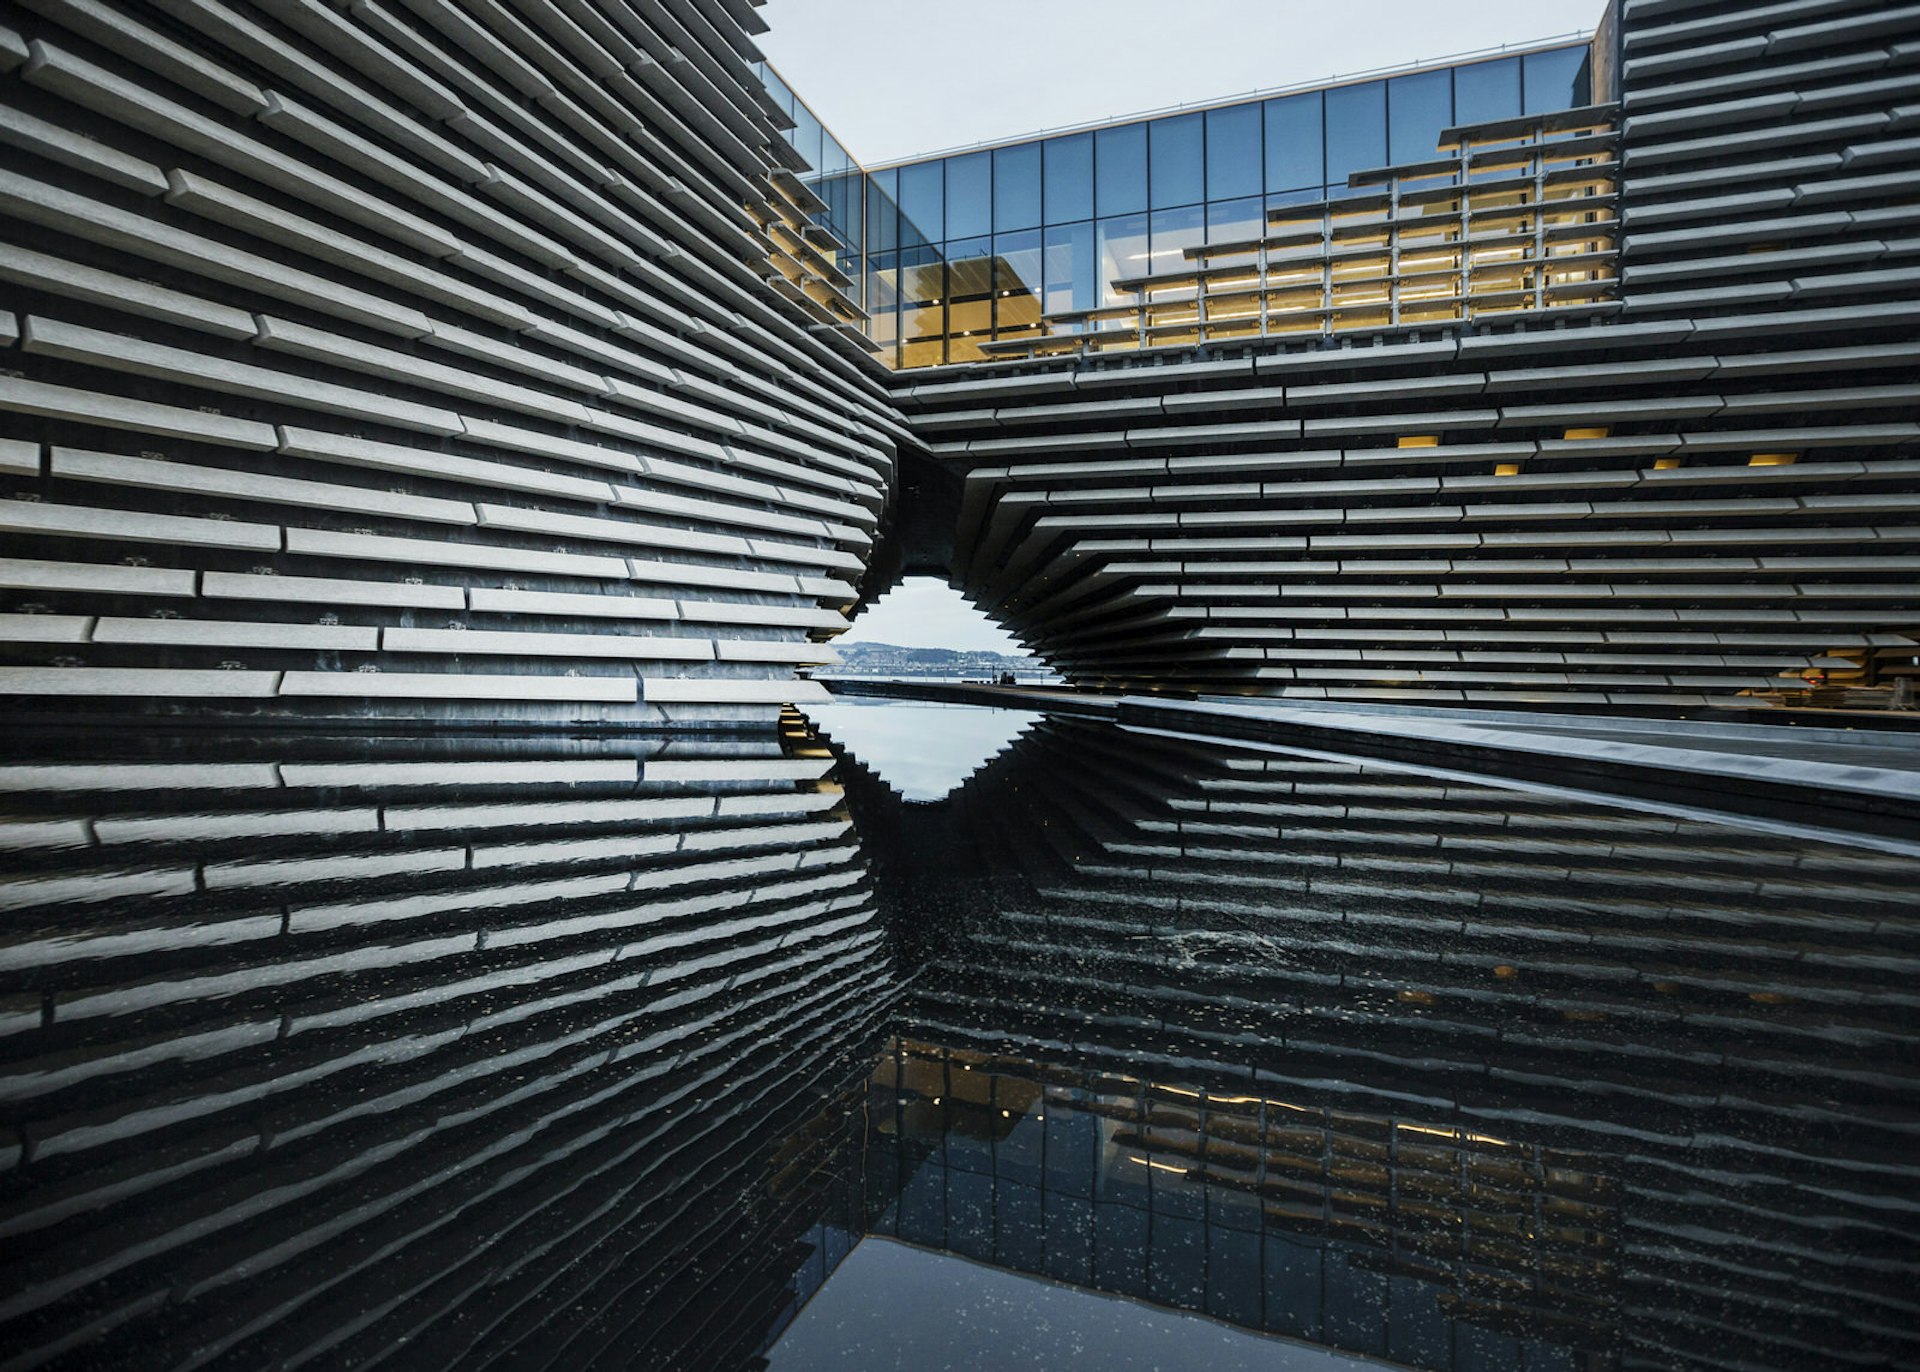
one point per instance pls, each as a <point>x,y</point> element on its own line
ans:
<point>953,252</point>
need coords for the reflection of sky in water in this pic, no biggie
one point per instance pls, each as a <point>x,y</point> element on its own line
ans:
<point>891,1305</point>
<point>923,751</point>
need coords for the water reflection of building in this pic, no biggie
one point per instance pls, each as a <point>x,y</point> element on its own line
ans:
<point>1433,1245</point>
<point>1492,1064</point>
<point>435,1052</point>
<point>457,1052</point>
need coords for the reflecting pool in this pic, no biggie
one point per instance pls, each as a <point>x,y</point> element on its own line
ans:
<point>935,1040</point>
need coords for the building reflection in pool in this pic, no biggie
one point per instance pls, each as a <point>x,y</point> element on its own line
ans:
<point>605,1053</point>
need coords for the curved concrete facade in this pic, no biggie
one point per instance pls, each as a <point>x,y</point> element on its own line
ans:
<point>406,361</point>
<point>417,360</point>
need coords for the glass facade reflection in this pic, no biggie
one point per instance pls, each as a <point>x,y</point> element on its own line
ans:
<point>951,253</point>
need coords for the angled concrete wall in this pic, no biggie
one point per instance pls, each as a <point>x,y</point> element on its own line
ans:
<point>412,359</point>
<point>1711,488</point>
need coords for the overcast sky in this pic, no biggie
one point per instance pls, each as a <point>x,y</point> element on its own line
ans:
<point>924,613</point>
<point>897,77</point>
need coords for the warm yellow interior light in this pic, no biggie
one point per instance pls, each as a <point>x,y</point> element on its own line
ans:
<point>1420,441</point>
<point>1665,464</point>
<point>1773,459</point>
<point>1507,469</point>
<point>1602,432</point>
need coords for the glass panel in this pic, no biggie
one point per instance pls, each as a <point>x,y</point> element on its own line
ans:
<point>969,195</point>
<point>1485,91</point>
<point>1356,131</point>
<point>883,214</point>
<point>1295,156</point>
<point>806,135</point>
<point>883,299</point>
<point>1069,178</point>
<point>1306,195</point>
<point>970,288</point>
<point>1123,254</point>
<point>1235,221</point>
<point>1120,169</point>
<point>782,93</point>
<point>1419,106</point>
<point>1557,80</point>
<point>922,203</point>
<point>842,215</point>
<point>1017,263</point>
<point>1174,231</point>
<point>833,158</point>
<point>1178,161</point>
<point>1073,281</point>
<point>923,293</point>
<point>1016,188</point>
<point>1233,152</point>
<point>853,188</point>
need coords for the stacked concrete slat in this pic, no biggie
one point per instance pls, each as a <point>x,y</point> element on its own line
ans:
<point>409,359</point>
<point>1705,1015</point>
<point>1711,492</point>
<point>340,1054</point>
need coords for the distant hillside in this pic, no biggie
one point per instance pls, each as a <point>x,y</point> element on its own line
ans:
<point>893,659</point>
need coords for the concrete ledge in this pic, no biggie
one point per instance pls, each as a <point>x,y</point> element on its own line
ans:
<point>1829,778</point>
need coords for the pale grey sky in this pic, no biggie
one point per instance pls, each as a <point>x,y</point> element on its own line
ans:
<point>893,78</point>
<point>924,613</point>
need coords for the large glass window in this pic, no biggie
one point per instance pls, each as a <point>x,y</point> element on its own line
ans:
<point>1069,178</point>
<point>1237,221</point>
<point>1073,278</point>
<point>1122,254</point>
<point>1306,195</point>
<point>970,289</point>
<point>1178,161</point>
<point>1558,79</point>
<point>1120,170</point>
<point>923,204</point>
<point>923,294</point>
<point>834,159</point>
<point>1419,106</point>
<point>1356,131</point>
<point>1295,155</point>
<point>842,194</point>
<point>1016,188</point>
<point>883,212</point>
<point>1233,152</point>
<point>1017,267</point>
<point>806,135</point>
<point>1485,91</point>
<point>970,195</point>
<point>1173,232</point>
<point>781,92</point>
<point>883,299</point>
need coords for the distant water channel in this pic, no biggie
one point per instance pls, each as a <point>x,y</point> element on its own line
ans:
<point>936,1040</point>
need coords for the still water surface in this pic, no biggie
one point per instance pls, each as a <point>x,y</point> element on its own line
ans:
<point>1105,1049</point>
